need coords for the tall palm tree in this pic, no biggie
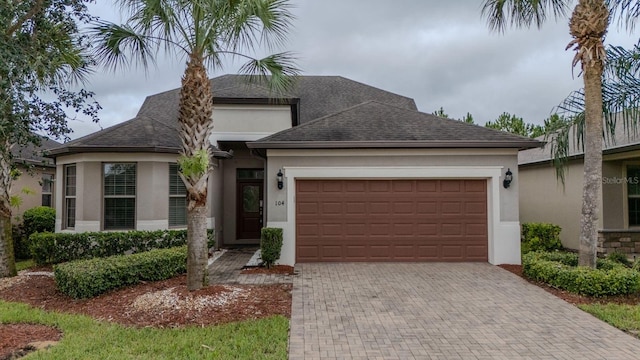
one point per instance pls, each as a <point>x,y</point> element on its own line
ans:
<point>588,26</point>
<point>202,31</point>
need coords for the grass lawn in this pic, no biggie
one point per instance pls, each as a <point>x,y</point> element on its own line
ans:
<point>624,317</point>
<point>24,264</point>
<point>85,338</point>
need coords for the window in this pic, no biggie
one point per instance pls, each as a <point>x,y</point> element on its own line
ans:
<point>250,174</point>
<point>47,193</point>
<point>69,211</point>
<point>633,194</point>
<point>119,196</point>
<point>177,198</point>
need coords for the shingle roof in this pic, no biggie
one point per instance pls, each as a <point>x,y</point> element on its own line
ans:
<point>155,126</point>
<point>375,124</point>
<point>32,154</point>
<point>624,140</point>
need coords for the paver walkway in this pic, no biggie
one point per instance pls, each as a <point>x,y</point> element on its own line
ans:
<point>440,311</point>
<point>227,270</point>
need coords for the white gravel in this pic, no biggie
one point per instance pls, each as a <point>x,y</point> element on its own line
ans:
<point>168,299</point>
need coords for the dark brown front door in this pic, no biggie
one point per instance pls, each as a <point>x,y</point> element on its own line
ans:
<point>249,204</point>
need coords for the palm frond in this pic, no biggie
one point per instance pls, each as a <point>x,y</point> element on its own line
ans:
<point>627,12</point>
<point>521,13</point>
<point>116,41</point>
<point>277,71</point>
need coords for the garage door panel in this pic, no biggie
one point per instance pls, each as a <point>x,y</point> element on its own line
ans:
<point>391,220</point>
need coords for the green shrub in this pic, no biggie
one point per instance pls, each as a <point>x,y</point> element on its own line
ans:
<point>621,258</point>
<point>20,242</point>
<point>49,248</point>
<point>270,245</point>
<point>560,270</point>
<point>39,219</point>
<point>540,237</point>
<point>88,278</point>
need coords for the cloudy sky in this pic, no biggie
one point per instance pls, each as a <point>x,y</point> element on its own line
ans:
<point>439,53</point>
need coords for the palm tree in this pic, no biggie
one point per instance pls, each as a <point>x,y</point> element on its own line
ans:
<point>202,31</point>
<point>588,26</point>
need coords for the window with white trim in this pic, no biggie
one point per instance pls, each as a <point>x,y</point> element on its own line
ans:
<point>69,211</point>
<point>119,196</point>
<point>177,198</point>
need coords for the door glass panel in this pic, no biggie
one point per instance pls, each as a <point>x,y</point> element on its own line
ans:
<point>251,198</point>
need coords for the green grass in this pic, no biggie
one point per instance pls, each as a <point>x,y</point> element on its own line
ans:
<point>624,317</point>
<point>24,264</point>
<point>85,338</point>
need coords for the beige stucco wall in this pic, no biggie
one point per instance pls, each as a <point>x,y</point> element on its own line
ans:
<point>216,198</point>
<point>248,122</point>
<point>152,189</point>
<point>30,180</point>
<point>242,159</point>
<point>489,164</point>
<point>544,199</point>
<point>613,192</point>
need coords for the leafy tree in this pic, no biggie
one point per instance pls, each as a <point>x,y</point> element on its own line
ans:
<point>41,54</point>
<point>202,31</point>
<point>588,26</point>
<point>515,125</point>
<point>468,119</point>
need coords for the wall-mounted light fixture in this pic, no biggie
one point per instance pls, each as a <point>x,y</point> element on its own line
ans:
<point>508,178</point>
<point>280,179</point>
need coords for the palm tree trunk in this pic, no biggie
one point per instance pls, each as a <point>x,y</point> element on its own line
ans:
<point>592,188</point>
<point>196,123</point>
<point>588,26</point>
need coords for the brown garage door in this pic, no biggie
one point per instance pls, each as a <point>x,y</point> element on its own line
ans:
<point>391,220</point>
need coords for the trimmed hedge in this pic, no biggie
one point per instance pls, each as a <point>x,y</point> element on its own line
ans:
<point>39,219</point>
<point>559,269</point>
<point>50,248</point>
<point>88,278</point>
<point>270,245</point>
<point>540,237</point>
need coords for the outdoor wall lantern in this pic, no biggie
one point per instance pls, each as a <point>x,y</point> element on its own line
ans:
<point>280,179</point>
<point>508,177</point>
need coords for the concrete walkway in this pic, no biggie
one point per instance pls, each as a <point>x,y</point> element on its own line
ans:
<point>227,270</point>
<point>440,311</point>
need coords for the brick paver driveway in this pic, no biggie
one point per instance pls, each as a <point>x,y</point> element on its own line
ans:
<point>440,311</point>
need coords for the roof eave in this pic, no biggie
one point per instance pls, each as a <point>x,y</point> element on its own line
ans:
<point>521,145</point>
<point>68,150</point>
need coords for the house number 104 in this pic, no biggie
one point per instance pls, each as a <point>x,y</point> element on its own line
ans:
<point>279,202</point>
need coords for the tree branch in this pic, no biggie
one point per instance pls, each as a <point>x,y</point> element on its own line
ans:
<point>34,10</point>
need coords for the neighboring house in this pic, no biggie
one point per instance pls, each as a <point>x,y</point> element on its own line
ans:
<point>35,185</point>
<point>349,171</point>
<point>543,197</point>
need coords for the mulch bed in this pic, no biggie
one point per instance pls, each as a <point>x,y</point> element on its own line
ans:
<point>160,304</point>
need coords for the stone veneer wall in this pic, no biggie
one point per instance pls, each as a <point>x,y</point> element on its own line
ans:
<point>623,241</point>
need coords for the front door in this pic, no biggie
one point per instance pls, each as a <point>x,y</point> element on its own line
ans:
<point>249,205</point>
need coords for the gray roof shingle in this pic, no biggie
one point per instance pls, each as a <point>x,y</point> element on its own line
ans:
<point>155,127</point>
<point>375,124</point>
<point>36,155</point>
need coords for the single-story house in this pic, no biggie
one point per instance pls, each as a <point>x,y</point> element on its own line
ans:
<point>35,184</point>
<point>350,172</point>
<point>544,198</point>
